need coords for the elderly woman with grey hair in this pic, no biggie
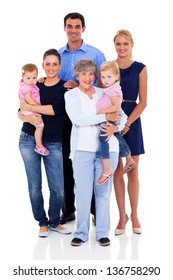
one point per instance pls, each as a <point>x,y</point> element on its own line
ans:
<point>87,167</point>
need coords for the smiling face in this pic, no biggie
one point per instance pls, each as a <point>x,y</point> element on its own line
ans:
<point>85,72</point>
<point>51,66</point>
<point>74,29</point>
<point>86,79</point>
<point>123,46</point>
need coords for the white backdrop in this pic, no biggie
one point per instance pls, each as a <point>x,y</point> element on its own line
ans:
<point>28,29</point>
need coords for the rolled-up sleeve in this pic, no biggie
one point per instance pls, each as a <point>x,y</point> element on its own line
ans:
<point>123,120</point>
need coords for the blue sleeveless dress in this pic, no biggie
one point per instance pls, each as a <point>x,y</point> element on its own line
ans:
<point>130,87</point>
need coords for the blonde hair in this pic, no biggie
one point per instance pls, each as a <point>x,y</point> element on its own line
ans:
<point>29,68</point>
<point>85,65</point>
<point>126,34</point>
<point>110,65</point>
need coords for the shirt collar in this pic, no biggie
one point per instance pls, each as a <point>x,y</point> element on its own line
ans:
<point>83,47</point>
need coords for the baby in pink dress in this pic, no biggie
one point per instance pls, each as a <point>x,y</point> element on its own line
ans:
<point>29,92</point>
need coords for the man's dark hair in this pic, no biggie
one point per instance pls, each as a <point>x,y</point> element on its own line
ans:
<point>75,16</point>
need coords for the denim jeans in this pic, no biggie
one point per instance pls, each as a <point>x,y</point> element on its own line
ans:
<point>53,164</point>
<point>103,150</point>
<point>124,149</point>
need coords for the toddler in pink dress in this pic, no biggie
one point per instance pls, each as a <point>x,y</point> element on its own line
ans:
<point>29,92</point>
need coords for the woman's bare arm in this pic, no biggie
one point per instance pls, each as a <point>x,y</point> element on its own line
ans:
<point>41,109</point>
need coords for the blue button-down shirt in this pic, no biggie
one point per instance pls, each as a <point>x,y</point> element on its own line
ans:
<point>69,60</point>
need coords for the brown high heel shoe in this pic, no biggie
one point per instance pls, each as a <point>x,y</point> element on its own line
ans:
<point>119,231</point>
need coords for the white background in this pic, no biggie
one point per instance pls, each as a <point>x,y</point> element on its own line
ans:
<point>28,29</point>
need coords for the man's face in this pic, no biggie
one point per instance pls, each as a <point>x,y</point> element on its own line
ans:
<point>74,29</point>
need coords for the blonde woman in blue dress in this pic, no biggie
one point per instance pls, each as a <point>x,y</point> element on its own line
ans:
<point>134,87</point>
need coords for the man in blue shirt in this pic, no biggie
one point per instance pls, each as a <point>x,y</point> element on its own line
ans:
<point>75,50</point>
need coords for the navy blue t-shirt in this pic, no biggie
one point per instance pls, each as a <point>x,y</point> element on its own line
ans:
<point>53,125</point>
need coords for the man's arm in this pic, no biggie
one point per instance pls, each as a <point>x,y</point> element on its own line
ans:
<point>70,84</point>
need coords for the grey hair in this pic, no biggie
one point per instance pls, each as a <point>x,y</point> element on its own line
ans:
<point>85,65</point>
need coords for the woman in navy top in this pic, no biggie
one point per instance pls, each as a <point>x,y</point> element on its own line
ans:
<point>134,87</point>
<point>52,109</point>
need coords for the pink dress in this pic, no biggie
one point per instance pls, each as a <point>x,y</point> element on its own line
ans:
<point>105,101</point>
<point>35,94</point>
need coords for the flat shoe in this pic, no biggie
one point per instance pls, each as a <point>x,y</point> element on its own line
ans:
<point>65,218</point>
<point>76,241</point>
<point>62,231</point>
<point>41,151</point>
<point>43,234</point>
<point>107,177</point>
<point>104,241</point>
<point>129,166</point>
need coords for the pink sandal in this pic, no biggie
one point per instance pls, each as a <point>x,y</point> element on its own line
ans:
<point>129,166</point>
<point>107,177</point>
<point>41,150</point>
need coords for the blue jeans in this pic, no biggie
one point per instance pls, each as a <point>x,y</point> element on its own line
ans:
<point>54,171</point>
<point>124,149</point>
<point>103,150</point>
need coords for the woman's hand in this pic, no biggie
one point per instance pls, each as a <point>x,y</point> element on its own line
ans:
<point>109,129</point>
<point>34,119</point>
<point>125,129</point>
